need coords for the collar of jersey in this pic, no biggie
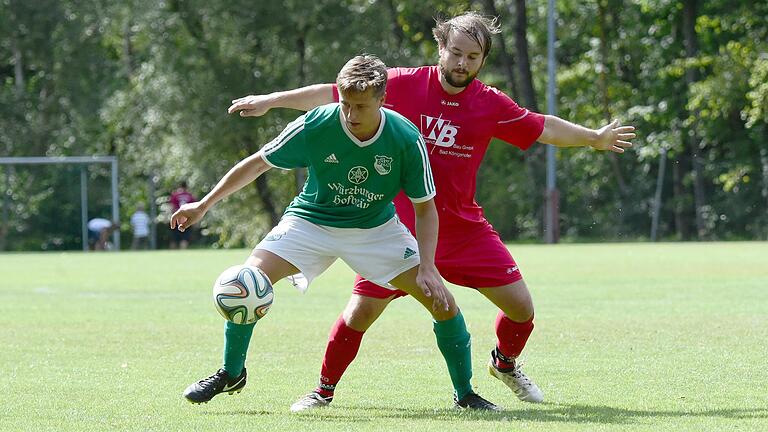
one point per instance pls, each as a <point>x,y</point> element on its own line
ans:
<point>368,141</point>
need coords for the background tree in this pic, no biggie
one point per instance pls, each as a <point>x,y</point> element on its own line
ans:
<point>149,82</point>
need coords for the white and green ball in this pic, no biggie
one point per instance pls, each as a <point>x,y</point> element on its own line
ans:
<point>242,294</point>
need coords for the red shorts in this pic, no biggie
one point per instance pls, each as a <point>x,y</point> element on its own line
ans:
<point>474,260</point>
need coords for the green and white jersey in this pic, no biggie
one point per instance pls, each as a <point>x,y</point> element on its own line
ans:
<point>351,183</point>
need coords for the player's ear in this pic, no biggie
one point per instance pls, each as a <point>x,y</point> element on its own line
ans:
<point>381,99</point>
<point>440,49</point>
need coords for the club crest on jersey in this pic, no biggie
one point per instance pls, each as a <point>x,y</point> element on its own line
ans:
<point>383,164</point>
<point>358,175</point>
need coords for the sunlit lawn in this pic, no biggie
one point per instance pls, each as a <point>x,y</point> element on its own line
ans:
<point>628,337</point>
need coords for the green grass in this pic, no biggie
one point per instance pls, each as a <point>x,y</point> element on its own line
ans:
<point>629,337</point>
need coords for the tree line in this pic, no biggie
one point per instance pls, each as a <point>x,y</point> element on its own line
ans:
<point>149,82</point>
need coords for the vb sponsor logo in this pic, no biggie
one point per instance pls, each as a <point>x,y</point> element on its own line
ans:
<point>438,131</point>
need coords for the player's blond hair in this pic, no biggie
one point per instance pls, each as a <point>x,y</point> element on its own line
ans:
<point>361,73</point>
<point>476,26</point>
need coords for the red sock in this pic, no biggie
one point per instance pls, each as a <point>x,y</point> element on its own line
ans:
<point>343,344</point>
<point>511,338</point>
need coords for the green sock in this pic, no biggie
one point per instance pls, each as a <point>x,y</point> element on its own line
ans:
<point>236,340</point>
<point>455,343</point>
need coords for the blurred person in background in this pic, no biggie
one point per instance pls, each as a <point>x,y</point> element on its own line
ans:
<point>99,230</point>
<point>140,225</point>
<point>179,197</point>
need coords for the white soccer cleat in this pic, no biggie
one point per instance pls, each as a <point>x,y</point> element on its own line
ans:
<point>310,401</point>
<point>525,389</point>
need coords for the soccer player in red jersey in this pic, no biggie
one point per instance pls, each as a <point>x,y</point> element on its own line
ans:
<point>458,116</point>
<point>179,197</point>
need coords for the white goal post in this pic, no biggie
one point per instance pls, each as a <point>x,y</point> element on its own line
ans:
<point>83,161</point>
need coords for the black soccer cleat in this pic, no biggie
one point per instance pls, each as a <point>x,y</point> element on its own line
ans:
<point>473,401</point>
<point>220,382</point>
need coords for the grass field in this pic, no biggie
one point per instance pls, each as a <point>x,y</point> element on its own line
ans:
<point>629,337</point>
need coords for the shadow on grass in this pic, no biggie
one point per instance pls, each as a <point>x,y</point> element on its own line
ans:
<point>581,413</point>
<point>544,413</point>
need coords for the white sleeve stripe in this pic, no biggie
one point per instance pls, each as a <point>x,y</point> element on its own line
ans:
<point>515,119</point>
<point>281,139</point>
<point>426,157</point>
<point>299,121</point>
<point>429,185</point>
<point>284,136</point>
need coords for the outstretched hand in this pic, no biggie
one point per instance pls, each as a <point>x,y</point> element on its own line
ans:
<point>250,106</point>
<point>431,284</point>
<point>187,215</point>
<point>614,137</point>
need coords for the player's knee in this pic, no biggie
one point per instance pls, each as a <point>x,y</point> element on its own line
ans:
<point>520,312</point>
<point>444,315</point>
<point>441,314</point>
<point>514,300</point>
<point>362,312</point>
<point>525,306</point>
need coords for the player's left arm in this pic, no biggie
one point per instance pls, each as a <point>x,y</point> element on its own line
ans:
<point>428,277</point>
<point>562,133</point>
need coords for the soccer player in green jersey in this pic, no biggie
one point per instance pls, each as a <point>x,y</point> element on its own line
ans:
<point>359,155</point>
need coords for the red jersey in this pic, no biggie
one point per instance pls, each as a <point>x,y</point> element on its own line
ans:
<point>457,130</point>
<point>181,197</point>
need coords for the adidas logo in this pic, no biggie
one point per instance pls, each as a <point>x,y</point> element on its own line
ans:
<point>408,253</point>
<point>331,159</point>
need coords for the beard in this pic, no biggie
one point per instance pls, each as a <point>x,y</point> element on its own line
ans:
<point>457,83</point>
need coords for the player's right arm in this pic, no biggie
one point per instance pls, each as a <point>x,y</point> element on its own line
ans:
<point>246,171</point>
<point>304,98</point>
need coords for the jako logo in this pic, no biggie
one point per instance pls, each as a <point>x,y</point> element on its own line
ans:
<point>438,131</point>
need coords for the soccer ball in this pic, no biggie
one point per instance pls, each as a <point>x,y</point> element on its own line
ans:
<point>242,294</point>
